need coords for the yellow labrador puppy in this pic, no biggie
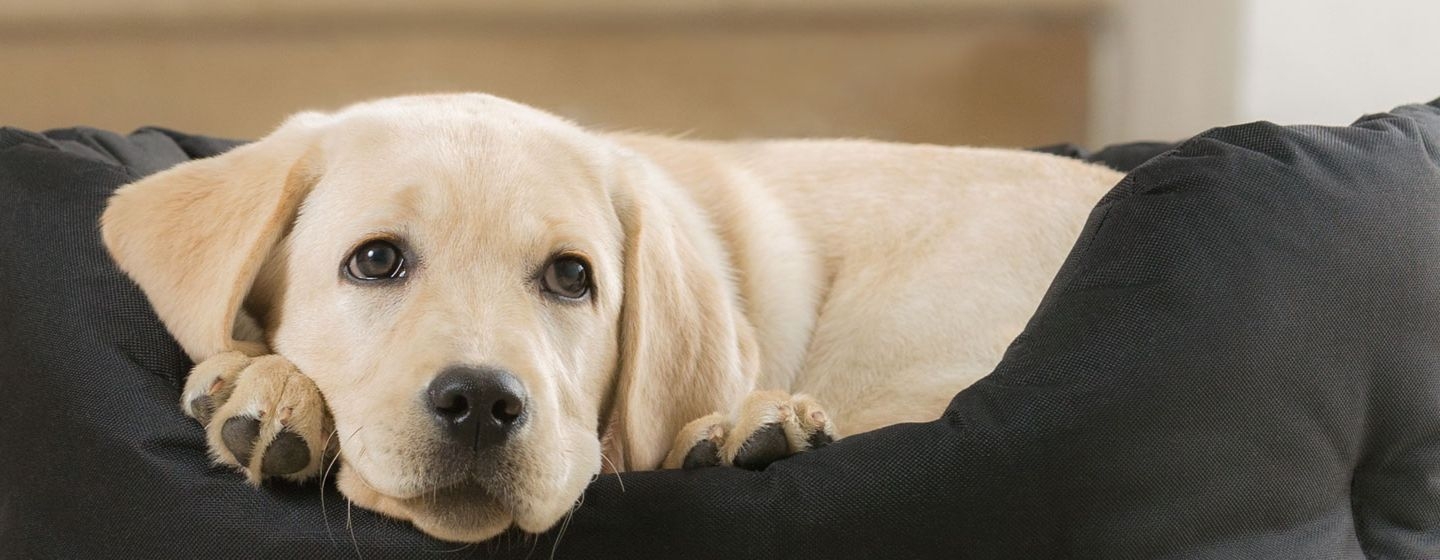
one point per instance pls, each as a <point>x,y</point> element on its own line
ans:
<point>479,305</point>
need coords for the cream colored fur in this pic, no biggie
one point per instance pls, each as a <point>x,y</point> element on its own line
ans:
<point>879,279</point>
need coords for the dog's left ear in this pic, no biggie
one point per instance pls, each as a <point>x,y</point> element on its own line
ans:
<point>685,348</point>
<point>194,237</point>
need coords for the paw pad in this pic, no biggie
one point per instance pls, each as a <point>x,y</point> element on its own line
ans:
<point>239,435</point>
<point>287,454</point>
<point>706,453</point>
<point>262,416</point>
<point>767,427</point>
<point>764,446</point>
<point>203,408</point>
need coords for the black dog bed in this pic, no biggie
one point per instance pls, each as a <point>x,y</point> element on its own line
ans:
<point>1240,359</point>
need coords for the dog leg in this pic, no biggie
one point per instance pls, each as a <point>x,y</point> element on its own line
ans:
<point>768,426</point>
<point>261,416</point>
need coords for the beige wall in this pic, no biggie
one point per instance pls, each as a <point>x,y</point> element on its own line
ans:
<point>977,71</point>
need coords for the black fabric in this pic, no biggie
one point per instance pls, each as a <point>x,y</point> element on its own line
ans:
<point>1238,360</point>
<point>1120,157</point>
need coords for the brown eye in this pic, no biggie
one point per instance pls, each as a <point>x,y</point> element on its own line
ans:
<point>567,276</point>
<point>376,260</point>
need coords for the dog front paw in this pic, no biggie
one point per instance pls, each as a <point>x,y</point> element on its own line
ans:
<point>768,426</point>
<point>261,416</point>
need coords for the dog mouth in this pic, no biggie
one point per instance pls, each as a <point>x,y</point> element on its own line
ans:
<point>465,511</point>
<point>467,498</point>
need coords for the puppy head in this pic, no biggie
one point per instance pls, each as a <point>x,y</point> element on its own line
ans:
<point>480,290</point>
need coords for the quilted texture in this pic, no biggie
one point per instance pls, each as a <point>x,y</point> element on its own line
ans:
<point>1240,359</point>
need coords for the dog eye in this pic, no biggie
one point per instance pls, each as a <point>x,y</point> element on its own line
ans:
<point>376,260</point>
<point>567,276</point>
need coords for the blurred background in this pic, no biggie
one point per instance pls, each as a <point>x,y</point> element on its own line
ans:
<point>980,72</point>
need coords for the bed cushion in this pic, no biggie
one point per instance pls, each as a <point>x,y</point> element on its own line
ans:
<point>1239,359</point>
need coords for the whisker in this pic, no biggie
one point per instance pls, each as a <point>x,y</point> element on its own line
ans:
<point>324,512</point>
<point>565,525</point>
<point>561,534</point>
<point>456,549</point>
<point>350,523</point>
<point>325,475</point>
<point>534,543</point>
<point>613,469</point>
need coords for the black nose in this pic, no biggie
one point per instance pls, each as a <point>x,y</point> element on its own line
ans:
<point>477,407</point>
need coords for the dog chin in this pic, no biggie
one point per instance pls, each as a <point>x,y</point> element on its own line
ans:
<point>461,513</point>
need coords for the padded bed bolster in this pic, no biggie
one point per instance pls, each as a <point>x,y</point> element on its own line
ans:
<point>1239,359</point>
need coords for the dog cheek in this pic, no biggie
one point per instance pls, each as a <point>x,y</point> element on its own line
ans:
<point>560,497</point>
<point>361,495</point>
<point>560,475</point>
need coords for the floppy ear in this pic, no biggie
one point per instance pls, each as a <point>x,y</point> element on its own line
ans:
<point>194,237</point>
<point>685,350</point>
